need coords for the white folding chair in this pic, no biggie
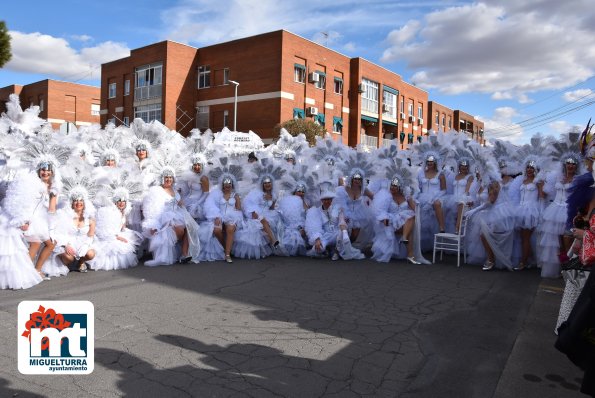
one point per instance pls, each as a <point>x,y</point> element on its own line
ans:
<point>448,242</point>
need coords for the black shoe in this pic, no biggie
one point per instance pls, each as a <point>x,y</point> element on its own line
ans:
<point>185,259</point>
<point>276,244</point>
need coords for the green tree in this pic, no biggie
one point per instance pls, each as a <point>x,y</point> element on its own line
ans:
<point>307,126</point>
<point>5,53</point>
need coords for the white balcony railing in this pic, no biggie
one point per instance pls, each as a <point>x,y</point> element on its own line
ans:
<point>386,143</point>
<point>147,92</point>
<point>369,141</point>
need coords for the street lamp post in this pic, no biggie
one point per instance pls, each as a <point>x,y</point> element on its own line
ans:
<point>235,104</point>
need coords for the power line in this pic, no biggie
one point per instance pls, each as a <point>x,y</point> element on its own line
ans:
<point>541,122</point>
<point>543,116</point>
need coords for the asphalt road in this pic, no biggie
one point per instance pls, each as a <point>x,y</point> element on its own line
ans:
<point>296,327</point>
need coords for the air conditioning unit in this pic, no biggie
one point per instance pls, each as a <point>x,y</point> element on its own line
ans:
<point>412,118</point>
<point>361,88</point>
<point>385,108</point>
<point>314,77</point>
<point>402,116</point>
<point>421,121</point>
<point>312,111</point>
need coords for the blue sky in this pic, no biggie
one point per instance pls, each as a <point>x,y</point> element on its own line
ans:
<point>522,67</point>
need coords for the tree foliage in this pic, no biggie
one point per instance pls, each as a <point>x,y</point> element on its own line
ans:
<point>306,126</point>
<point>5,53</point>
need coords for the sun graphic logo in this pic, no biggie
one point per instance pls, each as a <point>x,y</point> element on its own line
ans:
<point>56,337</point>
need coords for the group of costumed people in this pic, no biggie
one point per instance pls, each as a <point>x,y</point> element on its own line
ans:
<point>102,199</point>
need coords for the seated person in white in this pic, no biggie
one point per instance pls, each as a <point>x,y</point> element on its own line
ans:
<point>167,222</point>
<point>115,243</point>
<point>490,232</point>
<point>327,230</point>
<point>75,232</point>
<point>395,222</point>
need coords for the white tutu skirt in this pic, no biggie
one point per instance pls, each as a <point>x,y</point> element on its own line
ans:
<point>250,241</point>
<point>292,242</point>
<point>114,254</point>
<point>211,248</point>
<point>16,269</point>
<point>234,217</point>
<point>38,230</point>
<point>386,244</point>
<point>163,246</point>
<point>527,216</point>
<point>553,225</point>
<point>54,266</point>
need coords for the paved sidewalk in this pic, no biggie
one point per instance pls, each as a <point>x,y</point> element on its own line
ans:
<point>535,368</point>
<point>296,327</point>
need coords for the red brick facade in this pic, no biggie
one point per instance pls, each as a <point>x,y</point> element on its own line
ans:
<point>280,76</point>
<point>59,102</point>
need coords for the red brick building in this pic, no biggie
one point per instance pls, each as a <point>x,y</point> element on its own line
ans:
<point>470,125</point>
<point>58,101</point>
<point>278,76</point>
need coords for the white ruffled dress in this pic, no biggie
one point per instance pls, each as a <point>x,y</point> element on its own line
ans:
<point>111,252</point>
<point>216,206</point>
<point>553,224</point>
<point>251,241</point>
<point>68,234</point>
<point>162,213</point>
<point>429,192</point>
<point>16,268</point>
<point>293,217</point>
<point>193,195</point>
<point>386,245</point>
<point>324,225</point>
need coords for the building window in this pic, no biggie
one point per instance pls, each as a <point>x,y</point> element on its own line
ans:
<point>111,90</point>
<point>226,76</point>
<point>402,104</point>
<point>370,96</point>
<point>204,76</point>
<point>148,112</point>
<point>41,104</point>
<point>127,87</point>
<point>95,109</point>
<point>319,119</point>
<point>299,73</point>
<point>126,121</point>
<point>420,111</point>
<point>225,118</point>
<point>111,121</point>
<point>411,108</point>
<point>337,125</point>
<point>437,118</point>
<point>202,117</point>
<point>449,123</point>
<point>443,121</point>
<point>148,81</point>
<point>299,113</point>
<point>321,83</point>
<point>338,85</point>
<point>389,103</point>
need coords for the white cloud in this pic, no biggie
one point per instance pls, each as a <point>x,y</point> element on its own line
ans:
<point>81,38</point>
<point>577,95</point>
<point>193,21</point>
<point>508,48</point>
<point>501,125</point>
<point>43,54</point>
<point>560,126</point>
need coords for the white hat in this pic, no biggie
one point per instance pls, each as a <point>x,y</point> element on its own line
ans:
<point>327,190</point>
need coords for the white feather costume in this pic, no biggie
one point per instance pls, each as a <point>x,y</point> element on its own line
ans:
<point>113,253</point>
<point>16,268</point>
